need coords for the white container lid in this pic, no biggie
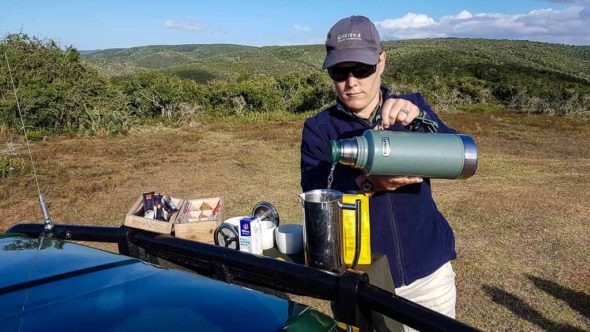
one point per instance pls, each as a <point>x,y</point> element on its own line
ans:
<point>235,221</point>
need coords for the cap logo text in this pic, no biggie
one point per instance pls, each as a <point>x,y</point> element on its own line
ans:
<point>349,36</point>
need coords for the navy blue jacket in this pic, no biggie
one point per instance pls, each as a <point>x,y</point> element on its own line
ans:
<point>406,225</point>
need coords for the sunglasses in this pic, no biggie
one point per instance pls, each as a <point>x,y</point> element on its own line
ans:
<point>360,70</point>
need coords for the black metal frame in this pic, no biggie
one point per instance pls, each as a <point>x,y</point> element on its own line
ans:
<point>350,292</point>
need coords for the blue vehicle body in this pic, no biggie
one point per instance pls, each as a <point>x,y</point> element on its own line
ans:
<point>48,284</point>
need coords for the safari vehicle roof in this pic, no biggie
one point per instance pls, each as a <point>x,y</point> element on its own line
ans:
<point>49,284</point>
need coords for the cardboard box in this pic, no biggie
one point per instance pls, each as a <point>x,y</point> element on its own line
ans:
<point>204,215</point>
<point>135,219</point>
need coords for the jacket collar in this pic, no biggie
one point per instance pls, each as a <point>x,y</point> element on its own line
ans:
<point>385,92</point>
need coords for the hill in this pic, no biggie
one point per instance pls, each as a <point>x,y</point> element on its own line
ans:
<point>204,62</point>
<point>454,73</point>
<point>439,55</point>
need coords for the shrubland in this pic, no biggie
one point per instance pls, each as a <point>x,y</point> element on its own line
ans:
<point>62,90</point>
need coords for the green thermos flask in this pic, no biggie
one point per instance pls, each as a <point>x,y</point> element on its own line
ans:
<point>395,153</point>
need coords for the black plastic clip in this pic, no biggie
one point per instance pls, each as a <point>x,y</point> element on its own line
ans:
<point>429,126</point>
<point>345,308</point>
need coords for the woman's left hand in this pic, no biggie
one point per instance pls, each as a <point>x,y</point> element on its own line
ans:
<point>397,110</point>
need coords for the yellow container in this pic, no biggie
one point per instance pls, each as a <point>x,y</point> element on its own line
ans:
<point>349,230</point>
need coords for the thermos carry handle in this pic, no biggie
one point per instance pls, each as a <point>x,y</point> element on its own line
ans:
<point>358,213</point>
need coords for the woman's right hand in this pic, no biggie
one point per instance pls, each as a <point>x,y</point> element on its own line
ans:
<point>390,183</point>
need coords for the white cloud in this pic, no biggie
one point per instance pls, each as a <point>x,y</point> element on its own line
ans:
<point>411,26</point>
<point>409,21</point>
<point>464,15</point>
<point>300,28</point>
<point>188,25</point>
<point>568,26</point>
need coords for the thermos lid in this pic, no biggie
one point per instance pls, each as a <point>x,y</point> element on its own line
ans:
<point>344,151</point>
<point>333,154</point>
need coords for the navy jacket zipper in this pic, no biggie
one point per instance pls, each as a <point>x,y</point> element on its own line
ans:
<point>396,238</point>
<point>391,212</point>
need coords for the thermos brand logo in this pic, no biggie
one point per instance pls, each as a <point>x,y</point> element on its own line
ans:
<point>386,149</point>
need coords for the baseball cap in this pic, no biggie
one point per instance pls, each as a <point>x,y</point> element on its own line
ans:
<point>355,39</point>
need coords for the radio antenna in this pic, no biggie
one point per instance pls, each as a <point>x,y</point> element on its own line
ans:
<point>46,218</point>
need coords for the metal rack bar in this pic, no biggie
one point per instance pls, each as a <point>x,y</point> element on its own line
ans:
<point>229,264</point>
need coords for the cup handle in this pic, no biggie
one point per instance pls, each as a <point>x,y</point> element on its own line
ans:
<point>357,252</point>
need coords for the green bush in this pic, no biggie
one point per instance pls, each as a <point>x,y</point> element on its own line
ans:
<point>36,135</point>
<point>155,95</point>
<point>305,92</point>
<point>247,94</point>
<point>56,90</point>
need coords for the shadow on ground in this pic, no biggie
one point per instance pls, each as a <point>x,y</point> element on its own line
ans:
<point>579,301</point>
<point>527,312</point>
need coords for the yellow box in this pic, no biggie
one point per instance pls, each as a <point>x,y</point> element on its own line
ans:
<point>349,230</point>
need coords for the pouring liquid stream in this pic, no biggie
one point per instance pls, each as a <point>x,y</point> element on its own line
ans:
<point>331,175</point>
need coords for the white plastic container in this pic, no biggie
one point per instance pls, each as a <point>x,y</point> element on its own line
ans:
<point>289,238</point>
<point>268,234</point>
<point>234,221</point>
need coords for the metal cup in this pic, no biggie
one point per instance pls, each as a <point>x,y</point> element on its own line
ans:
<point>322,229</point>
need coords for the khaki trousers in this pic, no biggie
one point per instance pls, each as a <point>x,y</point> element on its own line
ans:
<point>436,291</point>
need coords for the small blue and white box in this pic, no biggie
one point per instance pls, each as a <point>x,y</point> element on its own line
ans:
<point>250,235</point>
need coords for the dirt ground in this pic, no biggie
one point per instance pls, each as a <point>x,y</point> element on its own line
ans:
<point>522,224</point>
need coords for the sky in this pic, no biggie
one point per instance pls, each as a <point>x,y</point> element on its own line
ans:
<point>89,25</point>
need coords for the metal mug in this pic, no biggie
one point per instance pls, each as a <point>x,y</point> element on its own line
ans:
<point>322,228</point>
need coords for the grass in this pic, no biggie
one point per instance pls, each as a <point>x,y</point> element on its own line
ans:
<point>522,223</point>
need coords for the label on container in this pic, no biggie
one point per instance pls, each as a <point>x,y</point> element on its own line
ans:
<point>245,226</point>
<point>386,147</point>
<point>245,234</point>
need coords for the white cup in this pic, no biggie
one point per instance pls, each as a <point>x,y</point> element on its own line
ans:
<point>289,238</point>
<point>268,234</point>
<point>234,221</point>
